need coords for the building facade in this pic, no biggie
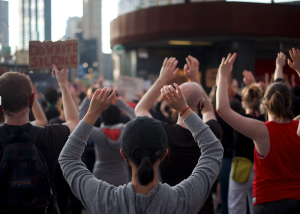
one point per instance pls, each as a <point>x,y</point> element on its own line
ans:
<point>92,29</point>
<point>179,30</point>
<point>73,27</point>
<point>4,23</point>
<point>34,21</point>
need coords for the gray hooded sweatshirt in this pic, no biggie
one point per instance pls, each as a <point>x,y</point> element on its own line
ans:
<point>109,165</point>
<point>98,196</point>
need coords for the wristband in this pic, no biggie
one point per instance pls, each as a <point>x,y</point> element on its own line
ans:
<point>184,111</point>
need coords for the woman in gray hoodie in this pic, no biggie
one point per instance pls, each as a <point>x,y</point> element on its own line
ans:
<point>109,165</point>
<point>144,143</point>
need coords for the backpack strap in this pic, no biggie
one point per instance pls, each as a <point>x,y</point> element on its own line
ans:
<point>4,136</point>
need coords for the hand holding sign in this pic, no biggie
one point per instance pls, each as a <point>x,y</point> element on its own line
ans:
<point>61,75</point>
<point>44,54</point>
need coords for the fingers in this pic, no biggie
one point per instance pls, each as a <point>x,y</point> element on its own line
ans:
<point>165,61</point>
<point>177,89</point>
<point>113,95</point>
<point>232,59</point>
<point>188,61</point>
<point>54,67</point>
<point>185,69</point>
<point>176,72</point>
<point>228,57</point>
<point>223,61</point>
<point>292,55</point>
<point>290,63</point>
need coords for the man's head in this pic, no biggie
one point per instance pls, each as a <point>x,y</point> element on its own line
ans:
<point>192,93</point>
<point>51,95</point>
<point>15,92</point>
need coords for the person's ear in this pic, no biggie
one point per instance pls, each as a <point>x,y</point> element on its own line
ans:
<point>123,154</point>
<point>165,154</point>
<point>31,100</point>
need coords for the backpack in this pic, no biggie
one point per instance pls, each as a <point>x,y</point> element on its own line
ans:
<point>24,176</point>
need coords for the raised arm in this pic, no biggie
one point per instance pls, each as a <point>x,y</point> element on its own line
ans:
<point>38,113</point>
<point>95,194</point>
<point>209,164</point>
<point>70,110</point>
<point>122,106</point>
<point>254,129</point>
<point>167,73</point>
<point>191,70</point>
<point>83,107</point>
<point>280,63</point>
<point>295,65</point>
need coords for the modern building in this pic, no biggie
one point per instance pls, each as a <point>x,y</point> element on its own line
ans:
<point>207,31</point>
<point>127,6</point>
<point>92,29</point>
<point>34,21</point>
<point>4,24</point>
<point>73,27</point>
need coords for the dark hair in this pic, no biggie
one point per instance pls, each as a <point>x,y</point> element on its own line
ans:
<point>252,96</point>
<point>15,91</point>
<point>236,106</point>
<point>140,157</point>
<point>277,100</point>
<point>51,95</point>
<point>111,115</point>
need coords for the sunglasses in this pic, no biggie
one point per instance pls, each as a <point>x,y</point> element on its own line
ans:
<point>200,105</point>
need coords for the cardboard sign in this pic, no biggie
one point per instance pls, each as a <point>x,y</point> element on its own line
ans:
<point>131,88</point>
<point>61,53</point>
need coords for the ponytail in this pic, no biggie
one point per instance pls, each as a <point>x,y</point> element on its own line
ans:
<point>140,157</point>
<point>145,173</point>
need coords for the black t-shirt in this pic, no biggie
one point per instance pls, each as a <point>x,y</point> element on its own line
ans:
<point>50,142</point>
<point>183,157</point>
<point>244,146</point>
<point>227,138</point>
<point>184,152</point>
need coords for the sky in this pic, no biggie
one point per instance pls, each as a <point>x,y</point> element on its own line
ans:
<point>60,16</point>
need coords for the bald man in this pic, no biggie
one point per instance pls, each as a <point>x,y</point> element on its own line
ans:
<point>183,150</point>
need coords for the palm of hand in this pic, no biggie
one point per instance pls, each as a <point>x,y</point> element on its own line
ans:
<point>227,65</point>
<point>295,55</point>
<point>168,71</point>
<point>280,60</point>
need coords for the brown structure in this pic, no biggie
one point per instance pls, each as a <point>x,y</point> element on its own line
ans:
<point>210,30</point>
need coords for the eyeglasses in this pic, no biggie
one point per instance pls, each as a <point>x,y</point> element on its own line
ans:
<point>200,105</point>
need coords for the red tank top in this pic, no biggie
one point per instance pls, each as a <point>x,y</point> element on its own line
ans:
<point>277,176</point>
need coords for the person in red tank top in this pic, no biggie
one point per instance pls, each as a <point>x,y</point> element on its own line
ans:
<point>276,186</point>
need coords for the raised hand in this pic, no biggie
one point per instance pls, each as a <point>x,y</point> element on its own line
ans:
<point>174,98</point>
<point>101,100</point>
<point>168,70</point>
<point>226,66</point>
<point>191,69</point>
<point>280,60</point>
<point>61,75</point>
<point>295,55</point>
<point>248,77</point>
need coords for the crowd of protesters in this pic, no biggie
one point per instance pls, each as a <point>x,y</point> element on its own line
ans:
<point>167,153</point>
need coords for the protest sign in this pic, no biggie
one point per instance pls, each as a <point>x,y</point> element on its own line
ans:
<point>131,88</point>
<point>61,53</point>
